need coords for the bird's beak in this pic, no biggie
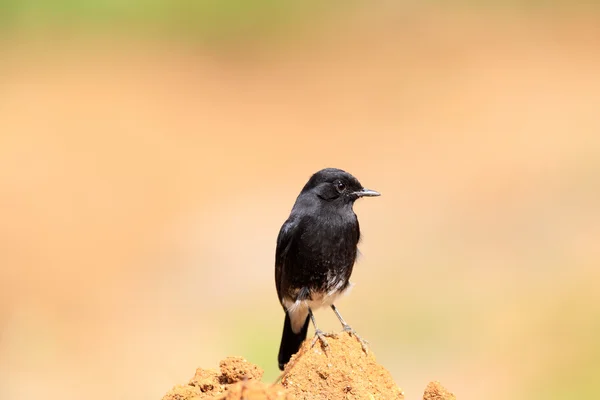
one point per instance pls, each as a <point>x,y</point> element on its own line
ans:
<point>367,193</point>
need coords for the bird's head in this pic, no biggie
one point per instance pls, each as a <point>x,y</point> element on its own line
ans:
<point>332,184</point>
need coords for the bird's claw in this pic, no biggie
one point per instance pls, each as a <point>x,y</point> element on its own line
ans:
<point>363,342</point>
<point>320,336</point>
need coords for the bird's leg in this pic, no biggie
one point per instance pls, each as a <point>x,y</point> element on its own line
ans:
<point>350,331</point>
<point>319,334</point>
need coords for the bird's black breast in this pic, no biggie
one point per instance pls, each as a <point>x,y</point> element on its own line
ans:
<point>316,252</point>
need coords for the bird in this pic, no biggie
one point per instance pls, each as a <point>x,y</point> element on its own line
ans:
<point>315,254</point>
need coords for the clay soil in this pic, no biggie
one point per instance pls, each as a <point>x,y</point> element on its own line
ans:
<point>342,370</point>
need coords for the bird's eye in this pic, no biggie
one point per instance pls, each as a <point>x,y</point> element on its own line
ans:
<point>340,186</point>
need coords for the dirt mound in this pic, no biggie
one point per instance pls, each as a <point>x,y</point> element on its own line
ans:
<point>435,391</point>
<point>237,379</point>
<point>342,371</point>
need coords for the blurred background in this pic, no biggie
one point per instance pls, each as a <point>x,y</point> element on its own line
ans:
<point>150,151</point>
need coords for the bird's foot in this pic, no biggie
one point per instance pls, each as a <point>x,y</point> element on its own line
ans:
<point>320,336</point>
<point>363,342</point>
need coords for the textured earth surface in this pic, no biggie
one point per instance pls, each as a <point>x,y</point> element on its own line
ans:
<point>342,370</point>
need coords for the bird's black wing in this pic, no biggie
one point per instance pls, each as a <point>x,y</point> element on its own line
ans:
<point>287,234</point>
<point>287,243</point>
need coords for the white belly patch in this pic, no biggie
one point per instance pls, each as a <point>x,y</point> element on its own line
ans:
<point>298,309</point>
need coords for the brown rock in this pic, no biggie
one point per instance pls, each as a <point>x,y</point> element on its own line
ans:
<point>344,372</point>
<point>253,390</point>
<point>238,379</point>
<point>435,391</point>
<point>183,392</point>
<point>205,379</point>
<point>235,369</point>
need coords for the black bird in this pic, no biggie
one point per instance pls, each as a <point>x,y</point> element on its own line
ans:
<point>316,251</point>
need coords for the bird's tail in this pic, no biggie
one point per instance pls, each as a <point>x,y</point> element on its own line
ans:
<point>290,341</point>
